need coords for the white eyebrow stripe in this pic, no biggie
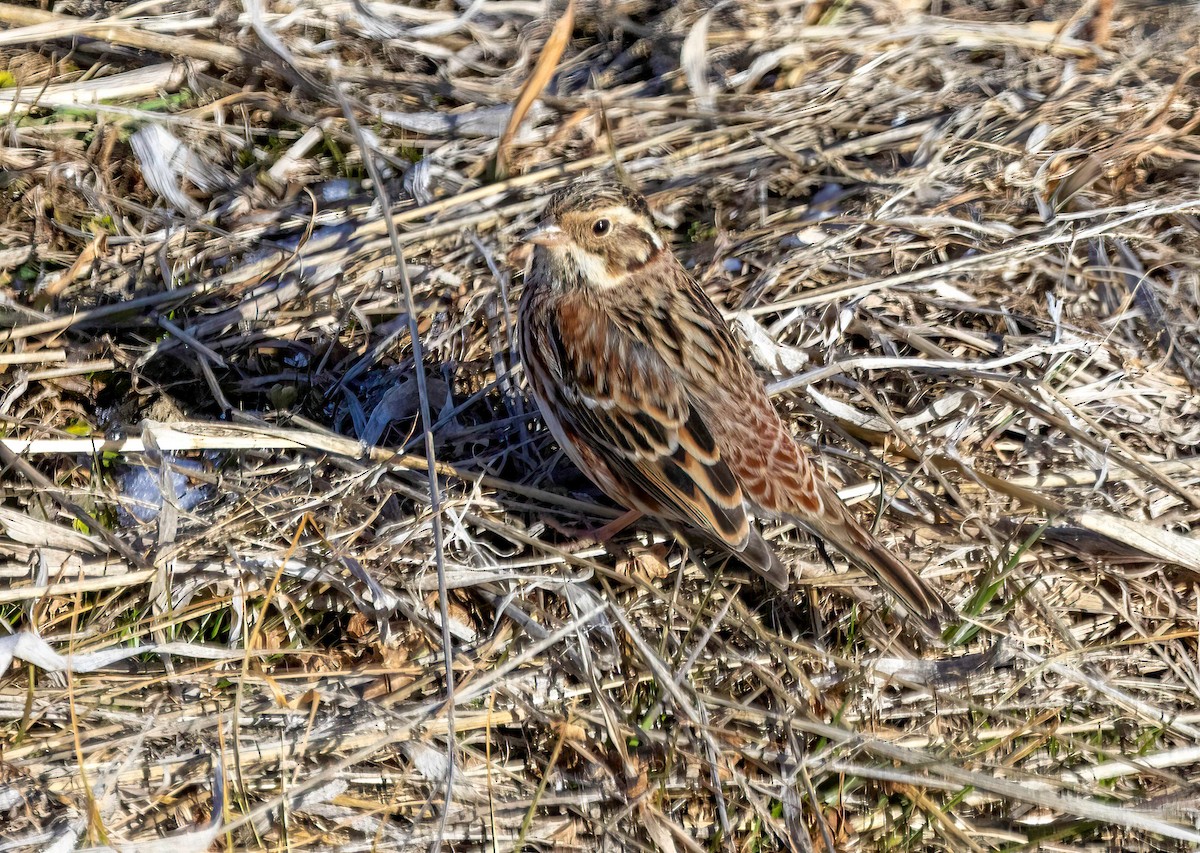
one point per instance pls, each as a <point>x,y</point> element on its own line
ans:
<point>628,217</point>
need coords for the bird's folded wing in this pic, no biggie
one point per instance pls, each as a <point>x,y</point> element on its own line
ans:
<point>623,403</point>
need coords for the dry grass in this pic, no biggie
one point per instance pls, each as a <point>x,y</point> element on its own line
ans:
<point>964,239</point>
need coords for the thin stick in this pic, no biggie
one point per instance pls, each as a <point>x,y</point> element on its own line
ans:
<point>427,424</point>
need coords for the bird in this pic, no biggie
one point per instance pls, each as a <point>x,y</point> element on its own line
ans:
<point>643,385</point>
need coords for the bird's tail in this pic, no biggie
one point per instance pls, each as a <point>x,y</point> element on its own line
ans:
<point>922,603</point>
<point>761,557</point>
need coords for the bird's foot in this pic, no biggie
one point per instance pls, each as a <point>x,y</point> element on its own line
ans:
<point>584,538</point>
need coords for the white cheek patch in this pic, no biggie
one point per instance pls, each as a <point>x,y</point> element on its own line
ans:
<point>592,268</point>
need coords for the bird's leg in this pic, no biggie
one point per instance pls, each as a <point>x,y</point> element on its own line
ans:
<point>608,531</point>
<point>585,538</point>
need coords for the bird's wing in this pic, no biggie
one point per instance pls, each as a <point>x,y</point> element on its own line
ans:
<point>622,405</point>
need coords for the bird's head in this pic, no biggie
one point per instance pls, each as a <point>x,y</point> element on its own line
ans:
<point>596,232</point>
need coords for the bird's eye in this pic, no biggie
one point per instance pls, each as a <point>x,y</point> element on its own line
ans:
<point>601,227</point>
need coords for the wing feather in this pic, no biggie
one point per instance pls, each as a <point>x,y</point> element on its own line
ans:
<point>630,409</point>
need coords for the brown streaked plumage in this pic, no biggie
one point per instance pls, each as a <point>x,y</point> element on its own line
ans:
<point>645,388</point>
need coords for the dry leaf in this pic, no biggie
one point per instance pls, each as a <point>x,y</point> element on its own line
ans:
<point>542,72</point>
<point>694,60</point>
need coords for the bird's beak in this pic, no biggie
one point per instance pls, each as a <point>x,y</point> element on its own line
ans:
<point>546,235</point>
